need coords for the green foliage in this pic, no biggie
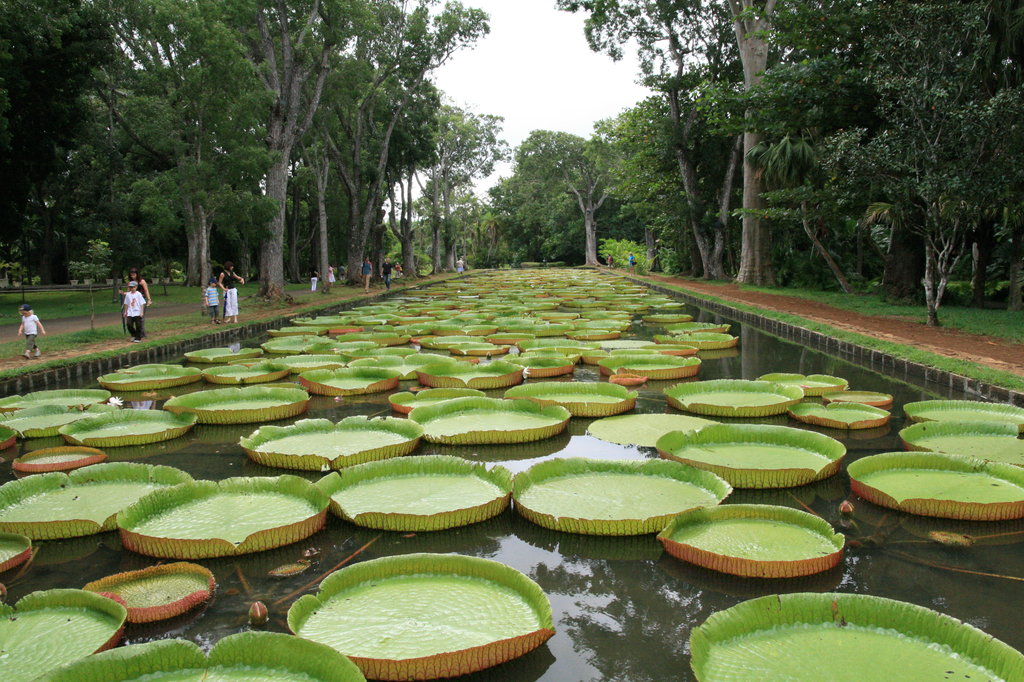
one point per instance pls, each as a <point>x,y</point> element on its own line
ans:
<point>620,250</point>
<point>96,265</point>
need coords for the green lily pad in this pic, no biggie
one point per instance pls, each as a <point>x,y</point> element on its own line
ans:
<point>219,355</point>
<point>407,365</point>
<point>993,441</point>
<point>15,550</point>
<point>653,366</point>
<point>872,398</point>
<point>122,428</point>
<point>57,459</point>
<point>754,541</point>
<point>477,421</point>
<point>258,373</point>
<point>404,403</point>
<point>66,398</point>
<point>608,497</point>
<point>840,415</point>
<point>203,519</point>
<point>702,340</point>
<point>543,366</point>
<point>350,381</point>
<point>643,429</point>
<point>694,327</point>
<point>319,444</point>
<point>45,421</point>
<point>852,636</point>
<point>934,484</point>
<point>498,374</point>
<point>734,398</point>
<point>296,331</point>
<point>756,455</point>
<point>298,364</point>
<point>415,494</point>
<point>241,405</point>
<point>582,400</point>
<point>423,616</point>
<point>812,384</point>
<point>149,377</point>
<point>46,630</point>
<point>86,501</point>
<point>964,411</point>
<point>159,592</point>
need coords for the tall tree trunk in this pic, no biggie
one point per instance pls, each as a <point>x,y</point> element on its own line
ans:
<point>931,285</point>
<point>652,252</point>
<point>323,169</point>
<point>294,272</point>
<point>197,239</point>
<point>272,244</point>
<point>984,243</point>
<point>590,229</point>
<point>837,272</point>
<point>904,266</point>
<point>1015,302</point>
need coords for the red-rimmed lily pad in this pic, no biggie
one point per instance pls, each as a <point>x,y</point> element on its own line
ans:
<point>425,616</point>
<point>935,484</point>
<point>653,366</point>
<point>477,421</point>
<point>86,501</point>
<point>46,630</point>
<point>610,497</point>
<point>964,411</point>
<point>234,516</point>
<point>66,398</point>
<point>754,541</point>
<point>15,550</point>
<point>479,350</point>
<point>734,397</point>
<point>812,384</point>
<point>756,455</point>
<point>8,437</point>
<point>351,380</point>
<point>643,429</point>
<point>121,428</point>
<point>241,405</point>
<point>542,366</point>
<point>150,377</point>
<point>854,637</point>
<point>57,459</point>
<point>406,402</point>
<point>872,398</point>
<point>498,374</point>
<point>159,592</point>
<point>840,415</point>
<point>250,656</point>
<point>993,441</point>
<point>582,400</point>
<point>319,444</point>
<point>413,494</point>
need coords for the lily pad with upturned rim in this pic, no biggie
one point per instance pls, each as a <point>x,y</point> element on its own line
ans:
<point>992,441</point>
<point>45,421</point>
<point>756,455</point>
<point>855,637</point>
<point>935,484</point>
<point>15,549</point>
<point>498,374</point>
<point>812,384</point>
<point>543,366</point>
<point>241,405</point>
<point>754,541</point>
<point>872,398</point>
<point>478,421</point>
<point>123,428</point>
<point>66,398</point>
<point>204,519</point>
<point>425,616</point>
<point>609,497</point>
<point>406,365</point>
<point>85,502</point>
<point>159,592</point>
<point>964,411</point>
<point>150,377</point>
<point>699,327</point>
<point>414,494</point>
<point>297,364</point>
<point>57,459</point>
<point>319,444</point>
<point>581,399</point>
<point>643,429</point>
<point>702,340</point>
<point>351,380</point>
<point>219,355</point>
<point>261,656</point>
<point>48,629</point>
<point>840,415</point>
<point>654,366</point>
<point>258,373</point>
<point>8,437</point>
<point>406,402</point>
<point>733,398</point>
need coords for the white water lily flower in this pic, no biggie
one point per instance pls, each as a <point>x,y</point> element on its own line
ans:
<point>115,401</point>
<point>526,372</point>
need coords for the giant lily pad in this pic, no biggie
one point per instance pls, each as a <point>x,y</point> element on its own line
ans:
<point>994,441</point>
<point>257,373</point>
<point>541,366</point>
<point>754,541</point>
<point>418,493</point>
<point>45,421</point>
<point>582,400</point>
<point>159,592</point>
<point>127,427</point>
<point>15,550</point>
<point>608,497</point>
<point>404,403</point>
<point>643,429</point>
<point>695,327</point>
<point>812,384</point>
<point>351,380</point>
<point>298,364</point>
<point>253,656</point>
<point>66,398</point>
<point>476,421</point>
<point>667,318</point>
<point>241,405</point>
<point>872,398</point>
<point>220,355</point>
<point>496,374</point>
<point>851,636</point>
<point>424,616</point>
<point>149,377</point>
<point>481,350</point>
<point>964,411</point>
<point>8,437</point>
<point>319,444</point>
<point>653,366</point>
<point>756,455</point>
<point>934,484</point>
<point>297,331</point>
<point>57,459</point>
<point>84,502</point>
<point>45,630</point>
<point>734,398</point>
<point>234,516</point>
<point>702,340</point>
<point>407,365</point>
<point>840,415</point>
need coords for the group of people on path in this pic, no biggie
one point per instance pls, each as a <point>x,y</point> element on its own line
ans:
<point>227,281</point>
<point>610,260</point>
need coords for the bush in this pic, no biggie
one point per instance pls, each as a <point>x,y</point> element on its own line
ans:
<point>619,250</point>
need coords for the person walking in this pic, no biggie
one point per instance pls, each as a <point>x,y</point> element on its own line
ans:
<point>30,327</point>
<point>314,276</point>
<point>210,298</point>
<point>460,266</point>
<point>330,274</point>
<point>385,271</point>
<point>632,264</point>
<point>367,272</point>
<point>229,281</point>
<point>134,310</point>
<point>135,275</point>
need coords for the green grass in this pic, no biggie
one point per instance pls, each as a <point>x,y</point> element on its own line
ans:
<point>955,366</point>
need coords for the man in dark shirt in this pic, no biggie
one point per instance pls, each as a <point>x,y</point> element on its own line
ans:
<point>385,271</point>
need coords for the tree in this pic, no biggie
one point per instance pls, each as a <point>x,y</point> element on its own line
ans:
<point>96,265</point>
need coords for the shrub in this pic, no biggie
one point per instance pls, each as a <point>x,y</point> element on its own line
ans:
<point>619,250</point>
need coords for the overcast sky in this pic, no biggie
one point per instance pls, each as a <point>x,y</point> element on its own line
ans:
<point>536,70</point>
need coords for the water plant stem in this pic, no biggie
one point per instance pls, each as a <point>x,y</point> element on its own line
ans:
<point>932,564</point>
<point>320,577</point>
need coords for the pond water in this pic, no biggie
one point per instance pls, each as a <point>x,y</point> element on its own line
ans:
<point>623,610</point>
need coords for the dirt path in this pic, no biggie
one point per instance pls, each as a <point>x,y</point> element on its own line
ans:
<point>984,350</point>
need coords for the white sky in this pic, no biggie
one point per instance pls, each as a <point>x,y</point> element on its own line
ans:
<point>536,70</point>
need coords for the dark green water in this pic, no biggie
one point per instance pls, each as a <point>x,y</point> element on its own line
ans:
<point>623,610</point>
